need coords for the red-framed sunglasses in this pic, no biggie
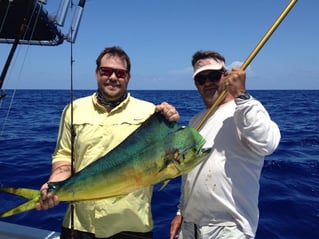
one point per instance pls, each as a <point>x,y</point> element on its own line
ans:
<point>108,71</point>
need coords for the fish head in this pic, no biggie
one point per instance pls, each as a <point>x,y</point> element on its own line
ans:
<point>190,151</point>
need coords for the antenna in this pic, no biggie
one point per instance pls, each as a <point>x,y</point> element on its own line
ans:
<point>75,22</point>
<point>61,14</point>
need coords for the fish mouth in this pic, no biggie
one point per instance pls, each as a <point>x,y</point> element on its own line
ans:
<point>201,149</point>
<point>205,150</point>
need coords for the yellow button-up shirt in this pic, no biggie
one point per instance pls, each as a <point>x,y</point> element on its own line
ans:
<point>96,133</point>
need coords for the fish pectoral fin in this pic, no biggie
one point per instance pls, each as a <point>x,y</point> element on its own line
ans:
<point>31,194</point>
<point>172,155</point>
<point>164,184</point>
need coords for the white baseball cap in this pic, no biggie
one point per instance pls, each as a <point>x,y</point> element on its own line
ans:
<point>207,64</point>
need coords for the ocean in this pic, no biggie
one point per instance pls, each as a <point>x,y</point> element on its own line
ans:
<point>289,193</point>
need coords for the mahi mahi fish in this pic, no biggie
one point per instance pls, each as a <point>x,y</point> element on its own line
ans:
<point>156,152</point>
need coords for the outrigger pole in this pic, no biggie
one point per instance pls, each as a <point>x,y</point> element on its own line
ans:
<point>250,57</point>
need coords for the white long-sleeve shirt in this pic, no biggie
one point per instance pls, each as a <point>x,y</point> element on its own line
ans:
<point>224,189</point>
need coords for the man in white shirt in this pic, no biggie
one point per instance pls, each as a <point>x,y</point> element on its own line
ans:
<point>220,196</point>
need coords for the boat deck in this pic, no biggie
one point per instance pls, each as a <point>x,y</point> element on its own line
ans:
<point>15,231</point>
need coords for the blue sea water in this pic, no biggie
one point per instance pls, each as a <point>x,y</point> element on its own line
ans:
<point>289,194</point>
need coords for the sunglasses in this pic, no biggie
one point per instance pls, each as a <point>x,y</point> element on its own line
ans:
<point>213,76</point>
<point>108,71</point>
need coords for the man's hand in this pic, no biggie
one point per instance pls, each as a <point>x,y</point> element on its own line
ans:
<point>235,82</point>
<point>61,170</point>
<point>169,111</point>
<point>47,200</point>
<point>175,227</point>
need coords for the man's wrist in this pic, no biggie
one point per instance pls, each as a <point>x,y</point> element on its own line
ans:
<point>244,96</point>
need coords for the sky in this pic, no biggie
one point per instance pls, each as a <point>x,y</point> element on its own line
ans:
<point>161,36</point>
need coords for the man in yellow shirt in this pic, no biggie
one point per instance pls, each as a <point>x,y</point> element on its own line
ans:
<point>101,122</point>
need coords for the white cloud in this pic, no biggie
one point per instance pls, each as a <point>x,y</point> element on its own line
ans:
<point>249,70</point>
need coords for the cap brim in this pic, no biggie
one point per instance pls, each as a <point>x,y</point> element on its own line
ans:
<point>208,67</point>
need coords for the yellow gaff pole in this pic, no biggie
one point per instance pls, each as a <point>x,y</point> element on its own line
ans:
<point>250,57</point>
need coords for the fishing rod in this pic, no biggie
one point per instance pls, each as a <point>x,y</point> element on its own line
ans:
<point>72,36</point>
<point>250,57</point>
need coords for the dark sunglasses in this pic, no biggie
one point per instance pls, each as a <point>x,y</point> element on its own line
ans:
<point>212,76</point>
<point>108,71</point>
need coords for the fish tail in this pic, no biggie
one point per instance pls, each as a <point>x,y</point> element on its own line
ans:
<point>31,194</point>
